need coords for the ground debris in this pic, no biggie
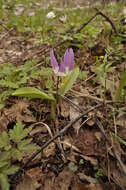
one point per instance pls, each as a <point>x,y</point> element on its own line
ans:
<point>18,111</point>
<point>90,155</point>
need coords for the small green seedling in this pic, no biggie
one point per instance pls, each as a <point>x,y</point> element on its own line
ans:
<point>13,147</point>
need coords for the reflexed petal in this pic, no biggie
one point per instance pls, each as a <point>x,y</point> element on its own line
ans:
<point>54,62</point>
<point>61,69</point>
<point>71,59</point>
<point>66,65</point>
<point>66,57</point>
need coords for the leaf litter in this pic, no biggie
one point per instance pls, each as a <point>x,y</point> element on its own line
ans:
<point>90,162</point>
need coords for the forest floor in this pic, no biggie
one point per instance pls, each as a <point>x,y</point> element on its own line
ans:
<point>84,147</point>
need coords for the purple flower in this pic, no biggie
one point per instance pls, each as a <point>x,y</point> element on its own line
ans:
<point>66,65</point>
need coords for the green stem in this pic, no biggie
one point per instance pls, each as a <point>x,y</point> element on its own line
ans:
<point>54,104</point>
<point>53,110</point>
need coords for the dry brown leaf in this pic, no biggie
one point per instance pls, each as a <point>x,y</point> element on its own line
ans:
<point>88,144</point>
<point>26,184</point>
<point>18,111</point>
<point>63,181</point>
<point>47,181</point>
<point>49,150</point>
<point>121,122</point>
<point>21,112</point>
<point>98,135</point>
<point>119,178</point>
<point>90,122</point>
<point>35,174</point>
<point>65,109</point>
<point>93,161</point>
<point>67,142</point>
<point>3,122</point>
<point>90,184</point>
<point>100,114</point>
<point>90,180</point>
<point>37,130</point>
<point>74,113</point>
<point>115,145</point>
<point>113,172</point>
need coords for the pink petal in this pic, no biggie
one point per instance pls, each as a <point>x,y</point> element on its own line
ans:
<point>66,57</point>
<point>54,62</point>
<point>62,68</point>
<point>71,59</point>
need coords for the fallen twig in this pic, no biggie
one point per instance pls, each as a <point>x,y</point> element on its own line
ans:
<point>86,23</point>
<point>108,20</point>
<point>46,50</point>
<point>60,133</point>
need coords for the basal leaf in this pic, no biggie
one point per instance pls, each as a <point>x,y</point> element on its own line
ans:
<point>24,143</point>
<point>67,85</point>
<point>4,182</point>
<point>5,155</point>
<point>18,132</point>
<point>3,163</point>
<point>11,170</point>
<point>4,141</point>
<point>16,154</point>
<point>31,92</point>
<point>27,147</point>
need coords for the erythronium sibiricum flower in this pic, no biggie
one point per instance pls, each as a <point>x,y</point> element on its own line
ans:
<point>66,65</point>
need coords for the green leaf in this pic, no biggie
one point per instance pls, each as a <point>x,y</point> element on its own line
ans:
<point>83,75</point>
<point>18,132</point>
<point>81,162</point>
<point>24,143</point>
<point>1,106</point>
<point>16,154</point>
<point>5,155</point>
<point>4,141</point>
<point>3,163</point>
<point>31,92</point>
<point>4,182</point>
<point>11,170</point>
<point>69,82</point>
<point>121,86</point>
<point>27,147</point>
<point>46,72</point>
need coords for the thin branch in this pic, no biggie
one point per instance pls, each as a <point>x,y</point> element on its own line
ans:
<point>63,131</point>
<point>86,23</point>
<point>60,133</point>
<point>46,50</point>
<point>108,20</point>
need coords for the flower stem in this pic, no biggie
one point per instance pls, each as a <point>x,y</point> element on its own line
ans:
<point>54,104</point>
